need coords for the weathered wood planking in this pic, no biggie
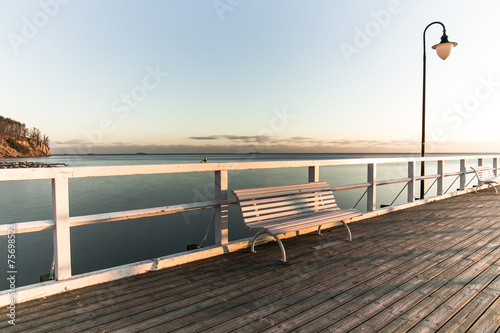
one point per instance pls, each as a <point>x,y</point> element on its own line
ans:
<point>428,268</point>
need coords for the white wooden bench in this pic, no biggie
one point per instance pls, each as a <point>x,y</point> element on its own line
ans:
<point>281,209</point>
<point>486,175</point>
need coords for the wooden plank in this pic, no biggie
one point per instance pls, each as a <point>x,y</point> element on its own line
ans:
<point>60,213</point>
<point>452,305</point>
<point>439,287</point>
<point>393,181</point>
<point>128,170</point>
<point>282,214</point>
<point>268,202</point>
<point>350,187</point>
<point>332,305</point>
<point>312,216</point>
<point>469,314</point>
<point>397,258</point>
<point>489,320</point>
<point>25,227</point>
<point>270,194</point>
<point>256,190</point>
<point>271,290</point>
<point>295,208</point>
<point>427,177</point>
<point>249,210</point>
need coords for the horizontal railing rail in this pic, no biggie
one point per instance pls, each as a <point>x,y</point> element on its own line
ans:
<point>62,221</point>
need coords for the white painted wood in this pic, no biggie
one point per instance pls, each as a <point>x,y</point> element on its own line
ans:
<point>277,201</point>
<point>392,181</point>
<point>221,212</point>
<point>313,175</point>
<point>60,213</point>
<point>33,226</point>
<point>296,205</point>
<point>440,180</point>
<point>124,170</point>
<point>427,177</point>
<point>411,183</point>
<point>139,213</point>
<point>463,174</point>
<point>350,187</point>
<point>372,189</point>
<point>23,227</point>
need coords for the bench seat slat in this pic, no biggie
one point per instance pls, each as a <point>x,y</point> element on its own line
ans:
<point>246,191</point>
<point>277,229</point>
<point>258,194</point>
<point>324,217</point>
<point>281,214</point>
<point>287,192</point>
<point>287,201</point>
<point>253,202</point>
<point>298,206</point>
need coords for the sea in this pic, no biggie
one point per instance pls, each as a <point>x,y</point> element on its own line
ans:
<point>105,245</point>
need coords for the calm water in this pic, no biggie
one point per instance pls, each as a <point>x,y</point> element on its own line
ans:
<point>111,244</point>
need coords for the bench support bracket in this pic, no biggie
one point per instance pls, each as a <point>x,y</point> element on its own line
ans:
<point>349,235</point>
<point>252,246</point>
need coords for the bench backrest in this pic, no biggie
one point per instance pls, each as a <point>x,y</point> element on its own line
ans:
<point>484,172</point>
<point>261,204</point>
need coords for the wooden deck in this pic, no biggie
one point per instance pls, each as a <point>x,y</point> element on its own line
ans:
<point>434,267</point>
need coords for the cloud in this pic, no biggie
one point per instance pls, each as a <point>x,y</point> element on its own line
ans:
<point>225,143</point>
<point>213,137</point>
<point>242,138</point>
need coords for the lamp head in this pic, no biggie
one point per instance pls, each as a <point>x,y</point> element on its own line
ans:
<point>444,48</point>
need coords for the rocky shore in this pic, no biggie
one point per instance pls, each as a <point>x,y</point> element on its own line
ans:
<point>22,147</point>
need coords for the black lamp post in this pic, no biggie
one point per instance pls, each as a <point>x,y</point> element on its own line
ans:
<point>443,50</point>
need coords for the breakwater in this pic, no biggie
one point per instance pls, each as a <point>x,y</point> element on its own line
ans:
<point>25,164</point>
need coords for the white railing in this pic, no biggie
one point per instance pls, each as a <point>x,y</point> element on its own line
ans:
<point>62,221</point>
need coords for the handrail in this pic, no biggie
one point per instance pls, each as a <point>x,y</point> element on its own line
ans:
<point>62,222</point>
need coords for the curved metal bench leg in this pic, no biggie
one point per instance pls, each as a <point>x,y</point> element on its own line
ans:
<point>282,248</point>
<point>252,245</point>
<point>349,238</point>
<point>319,230</point>
<point>283,253</point>
<point>494,187</point>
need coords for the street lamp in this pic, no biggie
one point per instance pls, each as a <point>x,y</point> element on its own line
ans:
<point>443,50</point>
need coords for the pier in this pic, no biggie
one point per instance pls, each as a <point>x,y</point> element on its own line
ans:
<point>425,265</point>
<point>433,267</point>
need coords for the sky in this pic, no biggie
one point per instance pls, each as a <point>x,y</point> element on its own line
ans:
<point>304,76</point>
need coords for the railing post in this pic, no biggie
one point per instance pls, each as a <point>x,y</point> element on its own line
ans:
<point>463,175</point>
<point>440,180</point>
<point>313,173</point>
<point>479,163</point>
<point>221,214</point>
<point>495,165</point>
<point>411,183</point>
<point>372,189</point>
<point>62,243</point>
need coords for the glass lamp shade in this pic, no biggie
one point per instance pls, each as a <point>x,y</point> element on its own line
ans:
<point>444,49</point>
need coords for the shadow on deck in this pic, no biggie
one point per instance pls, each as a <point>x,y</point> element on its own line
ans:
<point>428,268</point>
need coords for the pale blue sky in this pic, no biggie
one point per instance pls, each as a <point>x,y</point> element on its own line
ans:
<point>244,75</point>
